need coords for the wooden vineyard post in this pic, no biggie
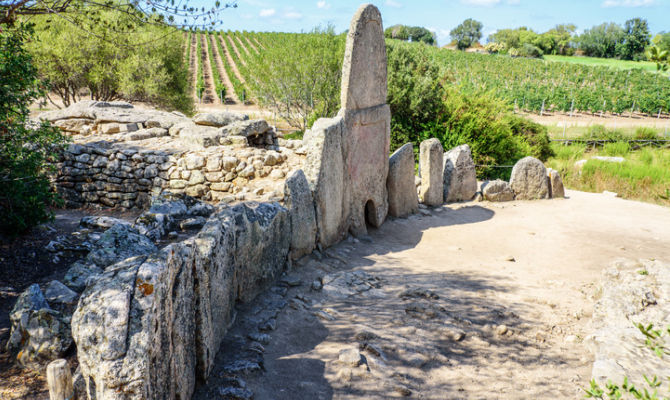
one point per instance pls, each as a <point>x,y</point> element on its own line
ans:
<point>542,110</point>
<point>59,380</point>
<point>659,113</point>
<point>602,109</point>
<point>572,107</point>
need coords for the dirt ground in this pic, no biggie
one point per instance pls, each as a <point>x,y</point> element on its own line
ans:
<point>476,301</point>
<point>607,120</point>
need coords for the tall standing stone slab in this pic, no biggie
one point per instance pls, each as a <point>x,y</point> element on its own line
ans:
<point>364,68</point>
<point>324,169</point>
<point>529,179</point>
<point>460,177</point>
<point>403,199</point>
<point>555,184</point>
<point>431,190</point>
<point>347,157</point>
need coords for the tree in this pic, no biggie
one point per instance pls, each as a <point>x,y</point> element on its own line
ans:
<point>299,78</point>
<point>662,40</point>
<point>467,33</point>
<point>636,38</point>
<point>26,149</point>
<point>411,33</point>
<point>660,57</point>
<point>78,11</point>
<point>102,63</point>
<point>602,41</point>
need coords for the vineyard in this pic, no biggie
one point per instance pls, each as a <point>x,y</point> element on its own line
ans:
<point>220,68</point>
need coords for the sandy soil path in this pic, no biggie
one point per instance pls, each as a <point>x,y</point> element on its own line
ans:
<point>440,310</point>
<point>209,96</point>
<point>231,97</point>
<point>231,41</point>
<point>241,45</point>
<point>193,69</point>
<point>229,58</point>
<point>251,44</point>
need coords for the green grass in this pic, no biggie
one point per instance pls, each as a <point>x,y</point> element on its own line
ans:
<point>606,62</point>
<point>599,132</point>
<point>645,175</point>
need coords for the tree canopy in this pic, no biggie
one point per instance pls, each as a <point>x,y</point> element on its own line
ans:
<point>180,14</point>
<point>467,33</point>
<point>410,34</point>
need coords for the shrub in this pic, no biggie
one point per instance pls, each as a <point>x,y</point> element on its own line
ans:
<point>645,133</point>
<point>24,150</point>
<point>616,149</point>
<point>424,105</point>
<point>531,51</point>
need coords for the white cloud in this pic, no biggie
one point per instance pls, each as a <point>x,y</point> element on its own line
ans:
<point>323,5</point>
<point>292,15</point>
<point>392,3</point>
<point>485,3</point>
<point>628,3</point>
<point>267,12</point>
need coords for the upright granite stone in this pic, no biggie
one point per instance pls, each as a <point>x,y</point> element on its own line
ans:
<point>431,191</point>
<point>497,191</point>
<point>262,239</point>
<point>529,179</point>
<point>347,156</point>
<point>555,184</point>
<point>324,169</point>
<point>300,203</point>
<point>460,177</point>
<point>364,67</point>
<point>403,199</point>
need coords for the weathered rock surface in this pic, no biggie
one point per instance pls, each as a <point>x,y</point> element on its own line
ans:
<point>119,243</point>
<point>219,119</point>
<point>497,190</point>
<point>460,177</point>
<point>79,274</point>
<point>555,184</point>
<point>632,292</point>
<point>262,239</point>
<point>431,191</point>
<point>347,156</point>
<point>324,168</point>
<point>39,334</point>
<point>300,203</point>
<point>403,199</point>
<point>529,179</point>
<point>364,67</point>
<point>56,292</point>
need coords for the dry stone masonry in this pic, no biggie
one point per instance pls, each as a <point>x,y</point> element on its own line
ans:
<point>122,156</point>
<point>154,298</point>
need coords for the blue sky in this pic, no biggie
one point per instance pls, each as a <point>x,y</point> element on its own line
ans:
<point>443,15</point>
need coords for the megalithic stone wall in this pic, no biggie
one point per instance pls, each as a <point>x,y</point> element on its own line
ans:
<point>150,326</point>
<point>347,156</point>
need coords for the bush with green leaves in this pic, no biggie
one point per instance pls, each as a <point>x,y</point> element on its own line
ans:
<point>299,77</point>
<point>424,105</point>
<point>138,63</point>
<point>26,149</point>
